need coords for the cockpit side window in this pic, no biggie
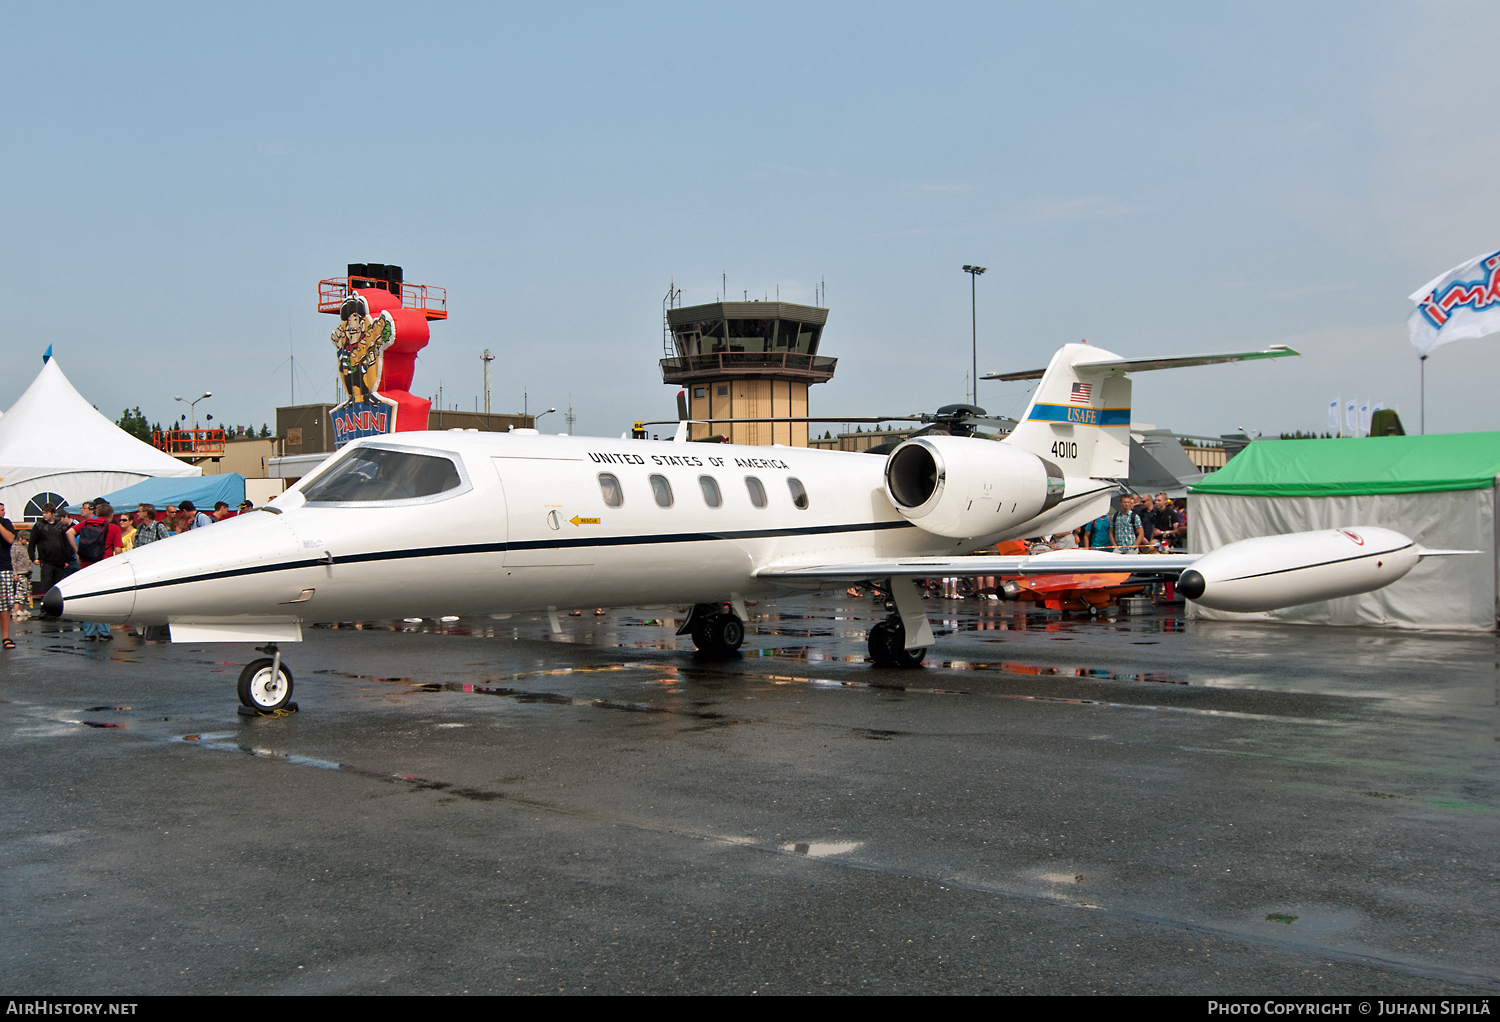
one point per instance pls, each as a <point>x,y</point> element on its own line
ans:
<point>610,487</point>
<point>372,475</point>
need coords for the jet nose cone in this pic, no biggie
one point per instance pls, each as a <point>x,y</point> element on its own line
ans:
<point>1191,584</point>
<point>52,603</point>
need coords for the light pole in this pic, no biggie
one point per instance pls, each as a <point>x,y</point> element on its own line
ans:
<point>193,404</point>
<point>539,415</point>
<point>487,358</point>
<point>974,272</point>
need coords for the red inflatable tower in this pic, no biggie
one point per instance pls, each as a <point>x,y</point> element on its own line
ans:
<point>383,324</point>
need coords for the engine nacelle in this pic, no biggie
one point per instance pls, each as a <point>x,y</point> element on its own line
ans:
<point>967,488</point>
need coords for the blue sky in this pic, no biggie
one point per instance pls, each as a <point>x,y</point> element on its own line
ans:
<point>1157,178</point>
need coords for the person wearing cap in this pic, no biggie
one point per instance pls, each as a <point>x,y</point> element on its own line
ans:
<point>196,519</point>
<point>245,505</point>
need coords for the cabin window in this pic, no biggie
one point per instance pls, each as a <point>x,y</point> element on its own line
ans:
<point>661,490</point>
<point>710,487</point>
<point>799,493</point>
<point>610,487</point>
<point>757,491</point>
<point>370,475</point>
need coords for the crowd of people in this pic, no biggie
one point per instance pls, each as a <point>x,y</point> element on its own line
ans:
<point>60,543</point>
<point>1133,525</point>
<point>1136,525</point>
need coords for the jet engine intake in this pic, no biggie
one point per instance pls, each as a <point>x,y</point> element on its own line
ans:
<point>969,488</point>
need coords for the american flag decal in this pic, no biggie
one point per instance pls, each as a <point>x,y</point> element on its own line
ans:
<point>1081,393</point>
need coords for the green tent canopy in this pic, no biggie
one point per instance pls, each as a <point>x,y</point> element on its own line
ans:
<point>1344,467</point>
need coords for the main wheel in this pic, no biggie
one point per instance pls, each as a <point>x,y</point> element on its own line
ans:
<point>727,633</point>
<point>888,645</point>
<point>259,690</point>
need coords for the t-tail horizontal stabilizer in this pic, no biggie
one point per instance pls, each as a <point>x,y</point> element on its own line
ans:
<point>1140,365</point>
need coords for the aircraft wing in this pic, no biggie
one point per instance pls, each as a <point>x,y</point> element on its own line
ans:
<point>1057,562</point>
<point>1139,365</point>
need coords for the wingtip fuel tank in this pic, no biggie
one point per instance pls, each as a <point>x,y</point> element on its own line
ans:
<point>1272,572</point>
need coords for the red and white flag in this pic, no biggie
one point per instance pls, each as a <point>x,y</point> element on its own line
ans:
<point>1081,393</point>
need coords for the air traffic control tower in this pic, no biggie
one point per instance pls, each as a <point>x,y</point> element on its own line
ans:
<point>746,360</point>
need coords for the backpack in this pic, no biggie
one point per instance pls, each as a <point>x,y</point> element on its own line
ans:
<point>93,542</point>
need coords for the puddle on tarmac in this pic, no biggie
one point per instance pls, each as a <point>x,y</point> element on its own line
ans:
<point>1093,673</point>
<point>808,654</point>
<point>820,849</point>
<point>1313,921</point>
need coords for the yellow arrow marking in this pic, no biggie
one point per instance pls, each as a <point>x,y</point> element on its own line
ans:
<point>583,521</point>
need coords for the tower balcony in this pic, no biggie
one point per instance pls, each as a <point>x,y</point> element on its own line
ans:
<point>781,365</point>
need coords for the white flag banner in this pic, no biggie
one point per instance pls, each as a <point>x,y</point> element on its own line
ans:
<point>1333,416</point>
<point>1364,417</point>
<point>1462,303</point>
<point>1351,419</point>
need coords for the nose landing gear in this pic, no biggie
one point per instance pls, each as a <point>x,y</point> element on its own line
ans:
<point>266,684</point>
<point>714,630</point>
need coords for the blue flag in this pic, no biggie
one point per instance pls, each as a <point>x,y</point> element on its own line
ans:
<point>46,354</point>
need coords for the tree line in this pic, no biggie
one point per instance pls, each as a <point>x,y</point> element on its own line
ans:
<point>133,422</point>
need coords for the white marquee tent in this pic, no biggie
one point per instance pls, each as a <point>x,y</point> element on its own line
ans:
<point>52,441</point>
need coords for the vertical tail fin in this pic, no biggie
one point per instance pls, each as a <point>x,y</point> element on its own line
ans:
<point>1079,419</point>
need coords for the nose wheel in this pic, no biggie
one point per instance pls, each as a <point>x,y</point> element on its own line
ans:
<point>266,684</point>
<point>720,634</point>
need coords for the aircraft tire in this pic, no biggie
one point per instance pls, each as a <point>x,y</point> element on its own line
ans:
<point>888,646</point>
<point>728,632</point>
<point>259,691</point>
<point>702,634</point>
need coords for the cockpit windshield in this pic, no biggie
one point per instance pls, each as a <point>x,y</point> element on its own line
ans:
<point>373,474</point>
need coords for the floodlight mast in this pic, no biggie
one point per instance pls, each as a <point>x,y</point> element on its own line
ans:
<point>974,272</point>
<point>193,404</point>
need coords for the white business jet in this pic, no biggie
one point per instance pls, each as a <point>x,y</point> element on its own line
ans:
<point>465,523</point>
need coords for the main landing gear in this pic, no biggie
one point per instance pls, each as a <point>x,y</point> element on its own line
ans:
<point>266,684</point>
<point>714,630</point>
<point>888,645</point>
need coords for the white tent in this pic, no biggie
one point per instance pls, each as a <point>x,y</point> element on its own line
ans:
<point>53,441</point>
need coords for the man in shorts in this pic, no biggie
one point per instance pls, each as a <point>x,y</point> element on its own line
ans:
<point>7,579</point>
